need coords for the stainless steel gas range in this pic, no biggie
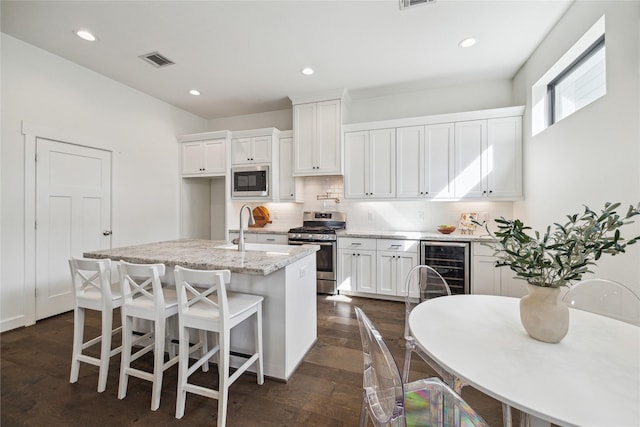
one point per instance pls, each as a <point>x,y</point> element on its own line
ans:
<point>319,228</point>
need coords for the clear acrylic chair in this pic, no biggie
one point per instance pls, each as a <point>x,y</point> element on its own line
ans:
<point>145,298</point>
<point>205,305</point>
<point>605,297</point>
<point>387,401</point>
<point>93,290</point>
<point>423,282</point>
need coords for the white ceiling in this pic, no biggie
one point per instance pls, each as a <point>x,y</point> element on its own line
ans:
<point>245,56</point>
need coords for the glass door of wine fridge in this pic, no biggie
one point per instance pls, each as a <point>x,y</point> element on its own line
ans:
<point>451,260</point>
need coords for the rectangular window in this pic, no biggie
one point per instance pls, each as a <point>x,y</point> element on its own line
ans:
<point>578,85</point>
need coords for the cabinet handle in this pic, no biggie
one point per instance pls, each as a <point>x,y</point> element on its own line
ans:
<point>484,192</point>
<point>270,240</point>
<point>490,191</point>
<point>291,194</point>
<point>356,244</point>
<point>396,246</point>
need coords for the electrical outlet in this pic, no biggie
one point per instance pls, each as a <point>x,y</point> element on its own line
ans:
<point>420,215</point>
<point>370,216</point>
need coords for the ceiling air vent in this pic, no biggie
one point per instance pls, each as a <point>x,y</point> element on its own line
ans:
<point>409,3</point>
<point>157,60</point>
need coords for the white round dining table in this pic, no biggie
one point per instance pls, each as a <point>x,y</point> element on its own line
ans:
<point>590,378</point>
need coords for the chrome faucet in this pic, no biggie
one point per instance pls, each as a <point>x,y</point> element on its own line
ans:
<point>251,222</point>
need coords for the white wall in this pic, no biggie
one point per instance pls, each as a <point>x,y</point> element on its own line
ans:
<point>45,90</point>
<point>592,156</point>
<point>281,119</point>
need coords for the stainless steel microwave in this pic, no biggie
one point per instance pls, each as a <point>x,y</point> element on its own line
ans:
<point>250,181</point>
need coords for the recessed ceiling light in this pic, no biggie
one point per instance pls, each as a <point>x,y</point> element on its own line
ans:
<point>85,35</point>
<point>467,42</point>
<point>307,71</point>
<point>194,92</point>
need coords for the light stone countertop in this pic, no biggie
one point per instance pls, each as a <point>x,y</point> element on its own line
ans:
<point>207,255</point>
<point>479,236</point>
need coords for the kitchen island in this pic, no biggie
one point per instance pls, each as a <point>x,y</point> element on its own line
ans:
<point>284,275</point>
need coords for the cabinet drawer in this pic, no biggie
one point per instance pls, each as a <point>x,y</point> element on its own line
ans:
<point>480,249</point>
<point>356,243</point>
<point>274,239</point>
<point>397,245</point>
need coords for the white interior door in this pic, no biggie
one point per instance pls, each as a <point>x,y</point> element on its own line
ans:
<point>73,215</point>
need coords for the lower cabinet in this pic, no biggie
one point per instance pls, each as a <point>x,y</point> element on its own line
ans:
<point>375,266</point>
<point>357,265</point>
<point>395,259</point>
<point>487,279</point>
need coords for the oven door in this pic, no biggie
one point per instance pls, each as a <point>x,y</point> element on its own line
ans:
<point>325,258</point>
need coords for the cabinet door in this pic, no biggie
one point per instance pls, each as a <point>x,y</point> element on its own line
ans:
<point>356,155</point>
<point>192,158</point>
<point>387,272</point>
<point>470,146</point>
<point>504,157</point>
<point>304,136</point>
<point>405,261</point>
<point>366,271</point>
<point>261,149</point>
<point>328,141</point>
<point>382,164</point>
<point>410,156</point>
<point>241,151</point>
<point>285,175</point>
<point>486,276</point>
<point>346,272</point>
<point>439,161</point>
<point>215,160</point>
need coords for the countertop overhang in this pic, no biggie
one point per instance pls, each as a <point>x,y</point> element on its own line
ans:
<point>203,254</point>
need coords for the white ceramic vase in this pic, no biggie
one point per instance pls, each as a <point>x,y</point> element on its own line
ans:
<point>543,315</point>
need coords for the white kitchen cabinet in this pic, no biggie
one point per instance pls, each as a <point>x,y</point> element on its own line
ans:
<point>270,238</point>
<point>251,150</point>
<point>204,158</point>
<point>290,186</point>
<point>357,265</point>
<point>273,239</point>
<point>317,138</point>
<point>488,158</point>
<point>487,279</point>
<point>370,164</point>
<point>395,258</point>
<point>425,161</point>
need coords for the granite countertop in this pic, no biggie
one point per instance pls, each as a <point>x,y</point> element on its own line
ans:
<point>416,235</point>
<point>258,230</point>
<point>207,255</point>
<point>479,236</point>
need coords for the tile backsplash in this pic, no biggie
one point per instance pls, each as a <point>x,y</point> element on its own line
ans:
<point>388,215</point>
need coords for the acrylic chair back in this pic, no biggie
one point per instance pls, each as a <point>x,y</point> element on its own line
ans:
<point>605,297</point>
<point>383,391</point>
<point>423,282</point>
<point>92,289</point>
<point>387,401</point>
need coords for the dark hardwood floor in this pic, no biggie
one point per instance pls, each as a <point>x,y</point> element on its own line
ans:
<point>324,391</point>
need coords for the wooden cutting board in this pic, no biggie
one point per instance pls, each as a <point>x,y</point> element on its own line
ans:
<point>261,216</point>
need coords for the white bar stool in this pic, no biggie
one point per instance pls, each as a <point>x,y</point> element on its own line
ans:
<point>144,298</point>
<point>92,289</point>
<point>205,305</point>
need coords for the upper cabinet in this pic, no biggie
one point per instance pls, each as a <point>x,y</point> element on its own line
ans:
<point>204,154</point>
<point>425,153</point>
<point>317,138</point>
<point>290,186</point>
<point>473,155</point>
<point>488,158</point>
<point>251,150</point>
<point>370,164</point>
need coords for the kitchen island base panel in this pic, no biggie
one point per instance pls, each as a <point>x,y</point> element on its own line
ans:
<point>289,319</point>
